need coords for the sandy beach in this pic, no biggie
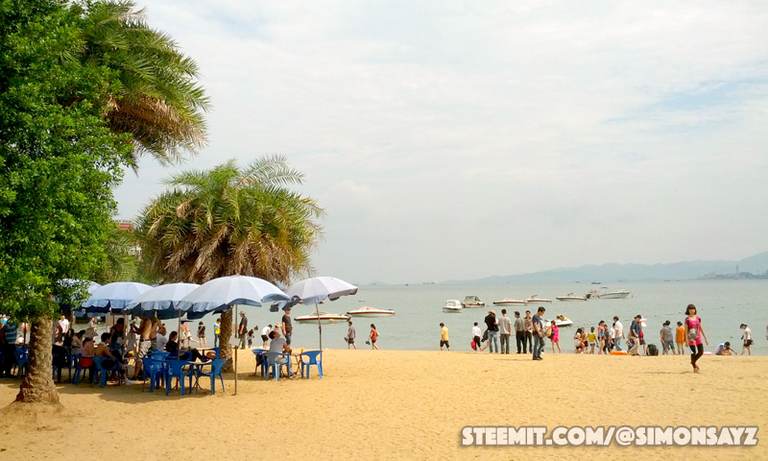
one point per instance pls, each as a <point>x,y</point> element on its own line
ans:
<point>399,405</point>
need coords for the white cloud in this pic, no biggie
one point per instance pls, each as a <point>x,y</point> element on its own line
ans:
<point>459,140</point>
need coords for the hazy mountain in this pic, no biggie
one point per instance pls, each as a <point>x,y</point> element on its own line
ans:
<point>757,264</point>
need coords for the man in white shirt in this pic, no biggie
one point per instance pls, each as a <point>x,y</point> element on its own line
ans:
<point>64,324</point>
<point>618,337</point>
<point>160,339</point>
<point>476,333</point>
<point>265,335</point>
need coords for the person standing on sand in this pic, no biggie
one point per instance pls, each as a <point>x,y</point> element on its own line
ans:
<point>667,342</point>
<point>505,331</point>
<point>618,336</point>
<point>265,336</point>
<point>747,339</point>
<point>528,322</point>
<point>476,333</point>
<point>444,337</point>
<point>556,338</point>
<point>216,332</point>
<point>680,338</point>
<point>693,333</point>
<point>242,330</point>
<point>201,335</point>
<point>493,331</point>
<point>351,336</point>
<point>373,336</point>
<point>538,334</point>
<point>519,333</point>
<point>287,325</point>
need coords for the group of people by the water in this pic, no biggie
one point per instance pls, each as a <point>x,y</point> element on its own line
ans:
<point>530,332</point>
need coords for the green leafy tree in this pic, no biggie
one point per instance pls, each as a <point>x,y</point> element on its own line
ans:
<point>58,163</point>
<point>229,221</point>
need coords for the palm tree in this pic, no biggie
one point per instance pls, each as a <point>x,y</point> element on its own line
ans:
<point>157,101</point>
<point>230,221</point>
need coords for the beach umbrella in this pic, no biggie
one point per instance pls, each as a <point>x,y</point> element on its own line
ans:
<point>222,294</point>
<point>219,295</point>
<point>316,289</point>
<point>113,297</point>
<point>161,301</point>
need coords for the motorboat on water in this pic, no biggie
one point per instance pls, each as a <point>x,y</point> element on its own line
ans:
<point>560,321</point>
<point>367,311</point>
<point>507,301</point>
<point>452,305</point>
<point>536,299</point>
<point>609,294</point>
<point>322,317</point>
<point>472,301</point>
<point>571,297</point>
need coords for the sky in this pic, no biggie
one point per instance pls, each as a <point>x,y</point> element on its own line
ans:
<point>460,140</point>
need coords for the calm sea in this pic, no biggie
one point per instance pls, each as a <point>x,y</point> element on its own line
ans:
<point>722,305</point>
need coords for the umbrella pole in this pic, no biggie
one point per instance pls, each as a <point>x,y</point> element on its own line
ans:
<point>236,353</point>
<point>319,326</point>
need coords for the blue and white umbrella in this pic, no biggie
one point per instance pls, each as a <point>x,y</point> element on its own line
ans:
<point>113,297</point>
<point>316,289</point>
<point>219,295</point>
<point>162,301</point>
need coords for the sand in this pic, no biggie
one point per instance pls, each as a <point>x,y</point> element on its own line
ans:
<point>399,405</point>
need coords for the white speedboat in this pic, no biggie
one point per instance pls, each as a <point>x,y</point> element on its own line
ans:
<point>322,317</point>
<point>571,297</point>
<point>367,311</point>
<point>536,299</point>
<point>452,305</point>
<point>610,294</point>
<point>472,301</point>
<point>507,301</point>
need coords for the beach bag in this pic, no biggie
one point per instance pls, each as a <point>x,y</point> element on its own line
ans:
<point>548,332</point>
<point>473,345</point>
<point>653,350</point>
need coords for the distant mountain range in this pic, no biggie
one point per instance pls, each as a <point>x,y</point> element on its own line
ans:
<point>686,270</point>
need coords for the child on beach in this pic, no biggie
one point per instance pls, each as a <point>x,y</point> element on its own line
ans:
<point>444,337</point>
<point>476,337</point>
<point>592,337</point>
<point>373,336</point>
<point>201,335</point>
<point>747,339</point>
<point>680,338</point>
<point>694,333</point>
<point>577,342</point>
<point>556,338</point>
<point>250,337</point>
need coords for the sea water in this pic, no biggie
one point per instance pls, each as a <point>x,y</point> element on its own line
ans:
<point>722,305</point>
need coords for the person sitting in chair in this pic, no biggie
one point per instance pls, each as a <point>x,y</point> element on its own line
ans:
<point>279,344</point>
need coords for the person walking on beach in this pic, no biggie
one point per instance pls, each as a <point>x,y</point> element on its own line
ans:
<point>505,331</point>
<point>667,342</point>
<point>528,322</point>
<point>618,336</point>
<point>476,333</point>
<point>747,339</point>
<point>216,332</point>
<point>519,333</point>
<point>493,331</point>
<point>680,338</point>
<point>538,334</point>
<point>694,332</point>
<point>351,336</point>
<point>373,336</point>
<point>556,338</point>
<point>444,337</point>
<point>242,330</point>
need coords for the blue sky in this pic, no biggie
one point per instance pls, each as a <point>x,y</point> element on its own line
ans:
<point>457,140</point>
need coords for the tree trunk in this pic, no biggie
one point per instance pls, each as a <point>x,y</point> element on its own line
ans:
<point>37,385</point>
<point>225,350</point>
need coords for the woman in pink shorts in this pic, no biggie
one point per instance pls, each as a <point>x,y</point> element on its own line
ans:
<point>693,335</point>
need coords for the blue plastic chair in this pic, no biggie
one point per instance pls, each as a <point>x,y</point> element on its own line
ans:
<point>175,369</point>
<point>273,365</point>
<point>155,369</point>
<point>312,358</point>
<point>79,368</point>
<point>261,361</point>
<point>159,355</point>
<point>21,354</point>
<point>103,372</point>
<point>216,366</point>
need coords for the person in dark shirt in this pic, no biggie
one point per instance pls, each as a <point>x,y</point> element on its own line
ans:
<point>493,331</point>
<point>172,345</point>
<point>287,326</point>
